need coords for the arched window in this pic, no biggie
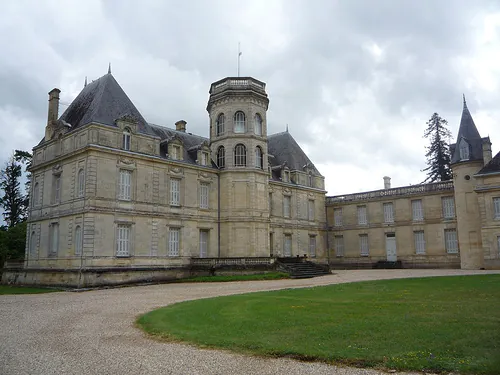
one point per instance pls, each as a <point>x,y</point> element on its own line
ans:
<point>239,122</point>
<point>126,139</point>
<point>33,243</point>
<point>221,157</point>
<point>257,124</point>
<point>464,150</point>
<point>240,155</point>
<point>219,124</point>
<point>81,183</point>
<point>258,157</point>
<point>78,240</point>
<point>36,194</point>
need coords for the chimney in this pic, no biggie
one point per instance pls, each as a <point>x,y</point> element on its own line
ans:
<point>387,182</point>
<point>180,126</point>
<point>53,112</point>
<point>487,151</point>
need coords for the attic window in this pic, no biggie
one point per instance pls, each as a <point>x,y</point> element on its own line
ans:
<point>126,139</point>
<point>286,176</point>
<point>175,152</point>
<point>204,158</point>
<point>310,180</point>
<point>464,150</point>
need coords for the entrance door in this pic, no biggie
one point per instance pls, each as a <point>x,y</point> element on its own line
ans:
<point>390,247</point>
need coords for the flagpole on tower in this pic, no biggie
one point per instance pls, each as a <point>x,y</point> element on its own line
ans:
<point>239,55</point>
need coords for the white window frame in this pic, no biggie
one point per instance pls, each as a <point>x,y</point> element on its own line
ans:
<point>81,183</point>
<point>123,240</point>
<point>312,246</point>
<point>451,241</point>
<point>287,245</point>
<point>339,246</point>
<point>204,195</point>
<point>388,213</point>
<point>239,122</point>
<point>364,248</point>
<point>448,204</point>
<point>54,239</point>
<point>287,203</point>
<point>78,240</point>
<point>240,155</point>
<point>204,158</point>
<point>174,239</point>
<point>337,217</point>
<point>496,208</point>
<point>125,185</point>
<point>417,210</point>
<point>311,209</point>
<point>175,152</point>
<point>419,241</point>
<point>219,124</point>
<point>126,139</point>
<point>203,243</point>
<point>257,124</point>
<point>175,192</point>
<point>362,215</point>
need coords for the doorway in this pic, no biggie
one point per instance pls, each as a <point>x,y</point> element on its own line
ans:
<point>390,247</point>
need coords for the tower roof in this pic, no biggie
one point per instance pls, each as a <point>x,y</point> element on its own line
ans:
<point>469,132</point>
<point>103,101</point>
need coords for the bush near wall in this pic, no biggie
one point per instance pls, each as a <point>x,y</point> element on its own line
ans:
<point>12,243</point>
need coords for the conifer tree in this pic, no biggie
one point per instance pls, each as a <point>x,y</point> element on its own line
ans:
<point>438,154</point>
<point>12,200</point>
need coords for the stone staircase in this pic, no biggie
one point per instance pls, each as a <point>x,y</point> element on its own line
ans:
<point>298,268</point>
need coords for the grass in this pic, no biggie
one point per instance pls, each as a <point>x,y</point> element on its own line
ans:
<point>260,276</point>
<point>6,289</point>
<point>439,324</point>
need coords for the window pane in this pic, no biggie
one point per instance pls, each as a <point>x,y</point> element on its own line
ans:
<point>362,217</point>
<point>388,213</point>
<point>312,246</point>
<point>363,244</point>
<point>239,122</point>
<point>417,210</point>
<point>419,242</point>
<point>175,192</point>
<point>173,242</point>
<point>204,195</point>
<point>337,216</point>
<point>448,207</point>
<point>339,246</point>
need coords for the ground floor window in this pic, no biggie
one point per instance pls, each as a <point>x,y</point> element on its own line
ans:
<point>339,246</point>
<point>203,243</point>
<point>419,242</point>
<point>173,242</point>
<point>451,242</point>
<point>363,245</point>
<point>312,246</point>
<point>123,240</point>
<point>287,246</point>
<point>78,240</point>
<point>54,239</point>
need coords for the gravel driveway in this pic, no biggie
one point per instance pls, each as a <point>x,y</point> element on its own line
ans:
<point>93,332</point>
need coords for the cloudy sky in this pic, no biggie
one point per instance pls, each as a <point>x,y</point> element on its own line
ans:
<point>355,80</point>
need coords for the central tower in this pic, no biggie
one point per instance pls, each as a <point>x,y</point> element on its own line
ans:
<point>238,140</point>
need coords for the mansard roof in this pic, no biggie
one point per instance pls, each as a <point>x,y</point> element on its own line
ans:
<point>103,101</point>
<point>493,166</point>
<point>469,132</point>
<point>286,151</point>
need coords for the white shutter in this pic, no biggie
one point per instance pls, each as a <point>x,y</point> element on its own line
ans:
<point>173,242</point>
<point>451,242</point>
<point>337,217</point>
<point>203,195</point>
<point>124,186</point>
<point>339,246</point>
<point>203,243</point>
<point>496,206</point>
<point>312,246</point>
<point>448,207</point>
<point>123,240</point>
<point>419,242</point>
<point>362,217</point>
<point>388,213</point>
<point>288,245</point>
<point>175,192</point>
<point>417,210</point>
<point>363,245</point>
<point>311,209</point>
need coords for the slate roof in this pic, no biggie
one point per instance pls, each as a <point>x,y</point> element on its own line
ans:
<point>285,149</point>
<point>492,167</point>
<point>469,132</point>
<point>102,101</point>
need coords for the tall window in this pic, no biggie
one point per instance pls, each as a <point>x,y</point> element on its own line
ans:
<point>388,213</point>
<point>419,242</point>
<point>417,210</point>
<point>221,157</point>
<point>451,242</point>
<point>363,245</point>
<point>173,242</point>
<point>33,242</point>
<point>123,240</point>
<point>287,245</point>
<point>362,217</point>
<point>204,195</point>
<point>496,208</point>
<point>204,158</point>
<point>339,246</point>
<point>240,155</point>
<point>271,204</point>
<point>57,189</point>
<point>203,243</point>
<point>498,246</point>
<point>36,194</point>
<point>286,205</point>
<point>54,239</point>
<point>78,240</point>
<point>448,207</point>
<point>175,192</point>
<point>126,139</point>
<point>337,217</point>
<point>239,122</point>
<point>124,192</point>
<point>310,210</point>
<point>81,183</point>
<point>312,246</point>
<point>258,158</point>
<point>257,124</point>
<point>310,180</point>
<point>219,124</point>
<point>464,150</point>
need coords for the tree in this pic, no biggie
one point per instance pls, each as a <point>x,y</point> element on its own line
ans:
<point>25,158</point>
<point>438,155</point>
<point>12,200</point>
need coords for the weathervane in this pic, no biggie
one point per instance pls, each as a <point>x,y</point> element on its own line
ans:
<point>239,56</point>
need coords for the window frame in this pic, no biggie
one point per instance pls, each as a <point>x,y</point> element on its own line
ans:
<point>240,155</point>
<point>125,184</point>
<point>220,125</point>
<point>221,156</point>
<point>175,192</point>
<point>239,122</point>
<point>419,242</point>
<point>126,139</point>
<point>257,124</point>
<point>417,210</point>
<point>174,240</point>
<point>123,240</point>
<point>259,158</point>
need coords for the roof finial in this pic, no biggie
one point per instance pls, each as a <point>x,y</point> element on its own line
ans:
<point>465,103</point>
<point>85,84</point>
<point>287,128</point>
<point>109,68</point>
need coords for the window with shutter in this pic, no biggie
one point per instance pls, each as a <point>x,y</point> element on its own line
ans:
<point>312,246</point>
<point>78,240</point>
<point>203,243</point>
<point>339,246</point>
<point>173,242</point>
<point>496,207</point>
<point>419,242</point>
<point>448,207</point>
<point>125,185</point>
<point>123,240</point>
<point>362,216</point>
<point>363,245</point>
<point>311,210</point>
<point>286,205</point>
<point>417,210</point>
<point>388,213</point>
<point>337,217</point>
<point>175,186</point>
<point>451,242</point>
<point>204,195</point>
<point>287,250</point>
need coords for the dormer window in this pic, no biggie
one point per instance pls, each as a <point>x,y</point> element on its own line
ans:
<point>204,158</point>
<point>310,180</point>
<point>464,150</point>
<point>219,124</point>
<point>257,124</point>
<point>126,139</point>
<point>239,122</point>
<point>175,150</point>
<point>286,175</point>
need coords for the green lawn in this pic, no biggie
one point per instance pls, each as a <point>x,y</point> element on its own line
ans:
<point>6,289</point>
<point>439,324</point>
<point>260,276</point>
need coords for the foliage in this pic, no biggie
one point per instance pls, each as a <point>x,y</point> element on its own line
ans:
<point>438,154</point>
<point>24,157</point>
<point>7,289</point>
<point>12,200</point>
<point>430,324</point>
<point>261,276</point>
<point>12,242</point>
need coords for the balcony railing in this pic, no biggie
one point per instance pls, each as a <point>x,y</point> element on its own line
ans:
<point>237,83</point>
<point>209,262</point>
<point>400,191</point>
